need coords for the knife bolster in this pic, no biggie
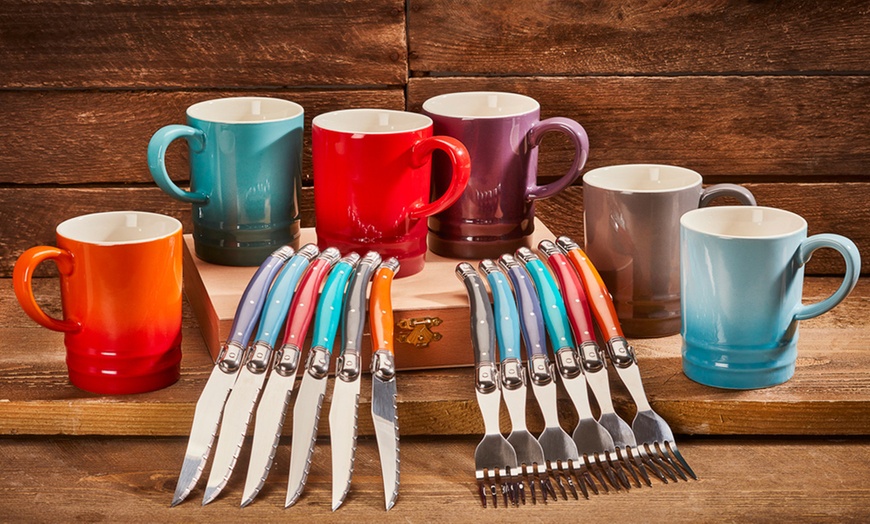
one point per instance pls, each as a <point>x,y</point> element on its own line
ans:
<point>258,360</point>
<point>348,367</point>
<point>287,360</point>
<point>383,365</point>
<point>318,362</point>
<point>231,357</point>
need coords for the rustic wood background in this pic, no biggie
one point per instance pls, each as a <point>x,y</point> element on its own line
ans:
<point>775,95</point>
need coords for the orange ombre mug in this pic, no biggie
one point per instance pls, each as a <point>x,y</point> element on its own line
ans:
<point>120,287</point>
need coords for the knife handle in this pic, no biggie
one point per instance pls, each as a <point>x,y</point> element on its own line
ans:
<point>249,308</point>
<point>354,315</point>
<point>553,306</point>
<point>507,318</point>
<point>330,305</point>
<point>381,306</point>
<point>281,294</point>
<point>576,302</point>
<point>482,321</point>
<point>602,305</point>
<point>302,308</point>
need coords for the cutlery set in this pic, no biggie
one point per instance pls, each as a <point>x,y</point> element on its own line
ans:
<point>286,290</point>
<point>603,452</point>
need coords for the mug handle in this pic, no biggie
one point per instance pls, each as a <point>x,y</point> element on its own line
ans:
<point>578,137</point>
<point>22,282</point>
<point>743,195</point>
<point>157,160</point>
<point>850,254</point>
<point>459,180</point>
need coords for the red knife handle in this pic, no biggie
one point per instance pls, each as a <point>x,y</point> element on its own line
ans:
<point>602,304</point>
<point>576,302</point>
<point>305,300</point>
<point>381,306</point>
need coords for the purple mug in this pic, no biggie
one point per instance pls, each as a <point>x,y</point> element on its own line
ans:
<point>501,131</point>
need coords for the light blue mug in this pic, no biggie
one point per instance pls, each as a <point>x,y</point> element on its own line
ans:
<point>245,176</point>
<point>741,274</point>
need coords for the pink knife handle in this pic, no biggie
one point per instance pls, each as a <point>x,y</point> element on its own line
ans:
<point>576,302</point>
<point>305,302</point>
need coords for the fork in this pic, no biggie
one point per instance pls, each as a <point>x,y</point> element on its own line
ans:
<point>650,429</point>
<point>495,460</point>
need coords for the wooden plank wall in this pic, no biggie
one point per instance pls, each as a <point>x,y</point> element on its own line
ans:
<point>775,95</point>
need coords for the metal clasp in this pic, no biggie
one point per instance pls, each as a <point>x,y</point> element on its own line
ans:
<point>417,331</point>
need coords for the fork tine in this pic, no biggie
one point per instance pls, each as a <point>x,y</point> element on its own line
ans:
<point>630,466</point>
<point>617,463</point>
<point>481,490</point>
<point>581,481</point>
<point>672,447</point>
<point>597,472</point>
<point>620,474</point>
<point>639,455</point>
<point>564,467</point>
<point>605,467</point>
<point>662,452</point>
<point>653,456</point>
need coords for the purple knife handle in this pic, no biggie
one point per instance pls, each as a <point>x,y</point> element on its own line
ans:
<point>531,316</point>
<point>254,297</point>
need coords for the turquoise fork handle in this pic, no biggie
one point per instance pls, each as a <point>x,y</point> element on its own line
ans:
<point>555,315</point>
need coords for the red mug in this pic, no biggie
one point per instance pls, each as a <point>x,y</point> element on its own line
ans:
<point>120,287</point>
<point>372,178</point>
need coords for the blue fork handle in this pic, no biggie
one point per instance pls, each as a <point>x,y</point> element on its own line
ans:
<point>281,295</point>
<point>507,318</point>
<point>482,322</point>
<point>330,305</point>
<point>529,306</point>
<point>555,315</point>
<point>254,297</point>
<point>354,315</point>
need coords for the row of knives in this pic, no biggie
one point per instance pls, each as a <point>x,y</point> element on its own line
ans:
<point>527,300</point>
<point>253,374</point>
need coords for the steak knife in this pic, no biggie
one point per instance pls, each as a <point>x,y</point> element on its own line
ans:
<point>276,395</point>
<point>210,405</point>
<point>384,413</point>
<point>306,412</point>
<point>343,414</point>
<point>243,398</point>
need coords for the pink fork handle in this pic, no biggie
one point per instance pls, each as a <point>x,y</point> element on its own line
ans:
<point>461,171</point>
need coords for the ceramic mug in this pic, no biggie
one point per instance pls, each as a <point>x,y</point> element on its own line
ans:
<point>372,181</point>
<point>742,272</point>
<point>632,235</point>
<point>245,176</point>
<point>120,287</point>
<point>502,132</point>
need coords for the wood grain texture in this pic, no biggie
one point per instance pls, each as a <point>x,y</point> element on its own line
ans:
<point>87,137</point>
<point>124,479</point>
<point>829,394</point>
<point>726,128</point>
<point>827,207</point>
<point>140,44</point>
<point>551,37</point>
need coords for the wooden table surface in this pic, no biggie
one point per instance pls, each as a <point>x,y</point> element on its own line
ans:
<point>799,451</point>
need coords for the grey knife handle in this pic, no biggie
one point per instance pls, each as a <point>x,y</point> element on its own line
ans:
<point>252,301</point>
<point>354,316</point>
<point>482,319</point>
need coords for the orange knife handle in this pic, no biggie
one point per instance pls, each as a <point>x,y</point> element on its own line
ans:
<point>596,291</point>
<point>381,306</point>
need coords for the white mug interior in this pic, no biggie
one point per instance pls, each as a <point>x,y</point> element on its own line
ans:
<point>245,110</point>
<point>743,222</point>
<point>119,227</point>
<point>371,121</point>
<point>481,104</point>
<point>642,178</point>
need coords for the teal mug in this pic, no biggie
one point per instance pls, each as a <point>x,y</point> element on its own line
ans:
<point>741,274</point>
<point>245,176</point>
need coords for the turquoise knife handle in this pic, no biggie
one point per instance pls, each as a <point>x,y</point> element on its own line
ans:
<point>507,323</point>
<point>555,315</point>
<point>281,295</point>
<point>330,305</point>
